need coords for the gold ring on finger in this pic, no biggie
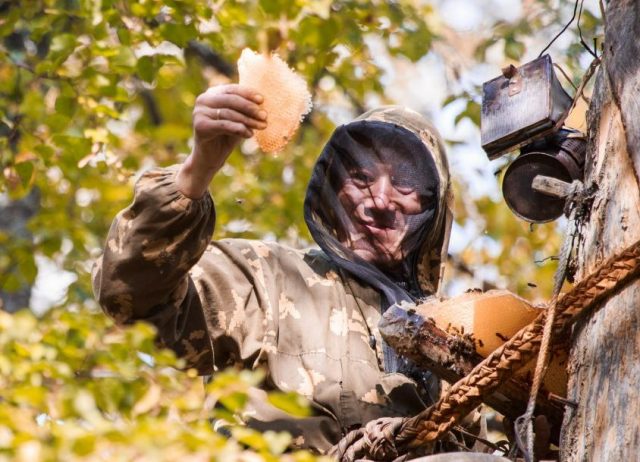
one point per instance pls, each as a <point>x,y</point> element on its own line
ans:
<point>218,114</point>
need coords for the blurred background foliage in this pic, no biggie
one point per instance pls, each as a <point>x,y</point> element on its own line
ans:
<point>92,92</point>
<point>74,387</point>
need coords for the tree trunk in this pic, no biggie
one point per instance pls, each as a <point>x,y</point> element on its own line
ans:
<point>604,366</point>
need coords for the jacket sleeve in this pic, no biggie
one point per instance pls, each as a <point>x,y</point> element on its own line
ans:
<point>143,273</point>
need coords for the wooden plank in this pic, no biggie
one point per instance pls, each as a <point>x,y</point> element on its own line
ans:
<point>551,186</point>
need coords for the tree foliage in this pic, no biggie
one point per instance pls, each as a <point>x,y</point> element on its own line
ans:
<point>94,91</point>
<point>74,387</point>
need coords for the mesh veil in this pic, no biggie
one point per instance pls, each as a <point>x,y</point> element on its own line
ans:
<point>357,154</point>
<point>397,146</point>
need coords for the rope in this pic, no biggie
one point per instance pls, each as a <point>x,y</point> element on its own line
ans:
<point>574,203</point>
<point>375,441</point>
<point>540,371</point>
<point>429,425</point>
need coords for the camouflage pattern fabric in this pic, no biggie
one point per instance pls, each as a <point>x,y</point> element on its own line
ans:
<point>256,304</point>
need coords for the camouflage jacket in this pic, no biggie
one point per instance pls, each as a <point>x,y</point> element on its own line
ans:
<point>255,304</point>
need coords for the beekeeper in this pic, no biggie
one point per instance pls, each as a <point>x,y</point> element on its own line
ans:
<point>378,206</point>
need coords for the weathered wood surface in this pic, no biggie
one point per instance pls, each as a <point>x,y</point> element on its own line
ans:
<point>451,358</point>
<point>551,186</point>
<point>604,366</point>
<point>505,126</point>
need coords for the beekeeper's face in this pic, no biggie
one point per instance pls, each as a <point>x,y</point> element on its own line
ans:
<point>377,201</point>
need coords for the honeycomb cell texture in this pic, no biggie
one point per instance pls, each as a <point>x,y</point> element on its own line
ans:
<point>286,97</point>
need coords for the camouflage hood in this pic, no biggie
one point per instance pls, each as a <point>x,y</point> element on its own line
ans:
<point>408,150</point>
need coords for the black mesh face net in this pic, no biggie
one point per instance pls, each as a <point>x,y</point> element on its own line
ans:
<point>371,201</point>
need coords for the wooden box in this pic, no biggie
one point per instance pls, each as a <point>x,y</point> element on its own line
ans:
<point>524,104</point>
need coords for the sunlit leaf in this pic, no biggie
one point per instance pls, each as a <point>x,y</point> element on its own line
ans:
<point>291,403</point>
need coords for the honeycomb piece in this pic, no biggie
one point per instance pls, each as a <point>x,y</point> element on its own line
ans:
<point>286,98</point>
<point>491,318</point>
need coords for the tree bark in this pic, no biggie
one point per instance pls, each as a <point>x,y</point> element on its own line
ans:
<point>604,365</point>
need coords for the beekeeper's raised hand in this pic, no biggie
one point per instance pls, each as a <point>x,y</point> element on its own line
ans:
<point>223,115</point>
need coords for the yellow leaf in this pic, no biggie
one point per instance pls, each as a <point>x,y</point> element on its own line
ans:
<point>150,400</point>
<point>97,135</point>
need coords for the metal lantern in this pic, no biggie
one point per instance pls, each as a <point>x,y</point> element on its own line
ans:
<point>560,156</point>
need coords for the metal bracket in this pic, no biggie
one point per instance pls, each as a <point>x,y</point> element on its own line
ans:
<point>515,79</point>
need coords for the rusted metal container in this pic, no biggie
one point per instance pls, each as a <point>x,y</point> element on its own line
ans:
<point>559,156</point>
<point>522,105</point>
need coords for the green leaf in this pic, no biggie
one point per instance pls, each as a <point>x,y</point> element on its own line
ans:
<point>180,34</point>
<point>291,403</point>
<point>45,151</point>
<point>316,33</point>
<point>85,445</point>
<point>124,35</point>
<point>66,105</point>
<point>471,112</point>
<point>12,282</point>
<point>449,99</point>
<point>25,172</point>
<point>61,47</point>
<point>280,8</point>
<point>28,268</point>
<point>74,148</point>
<point>513,49</point>
<point>125,59</point>
<point>57,122</point>
<point>147,67</point>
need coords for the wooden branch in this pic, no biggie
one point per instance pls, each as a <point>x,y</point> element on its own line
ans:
<point>551,186</point>
<point>209,57</point>
<point>451,357</point>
